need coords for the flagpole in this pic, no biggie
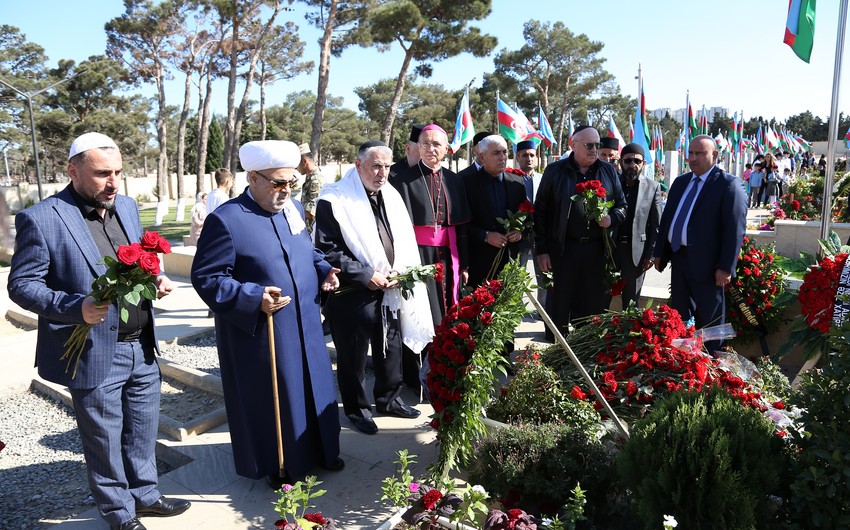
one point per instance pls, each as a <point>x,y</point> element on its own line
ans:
<point>826,213</point>
<point>496,114</point>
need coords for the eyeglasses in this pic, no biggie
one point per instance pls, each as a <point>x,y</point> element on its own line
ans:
<point>279,185</point>
<point>590,146</point>
<point>432,145</point>
<point>637,161</point>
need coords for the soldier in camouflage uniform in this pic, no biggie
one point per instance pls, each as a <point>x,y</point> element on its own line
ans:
<point>312,184</point>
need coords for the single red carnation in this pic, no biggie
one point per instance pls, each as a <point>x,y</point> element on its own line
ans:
<point>429,500</point>
<point>317,518</point>
<point>578,394</point>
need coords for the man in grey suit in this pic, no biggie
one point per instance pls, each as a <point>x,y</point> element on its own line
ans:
<point>59,251</point>
<point>637,234</point>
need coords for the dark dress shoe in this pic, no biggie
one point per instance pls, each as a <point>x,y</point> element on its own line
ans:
<point>164,507</point>
<point>132,524</point>
<point>402,410</point>
<point>336,465</point>
<point>364,425</point>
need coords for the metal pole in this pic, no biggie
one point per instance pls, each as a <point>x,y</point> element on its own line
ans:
<point>826,213</point>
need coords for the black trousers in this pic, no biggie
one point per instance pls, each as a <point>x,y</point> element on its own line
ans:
<point>578,274</point>
<point>633,275</point>
<point>356,322</point>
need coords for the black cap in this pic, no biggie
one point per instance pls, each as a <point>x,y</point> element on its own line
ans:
<point>610,143</point>
<point>415,131</point>
<point>581,128</point>
<point>525,144</point>
<point>370,143</point>
<point>633,148</point>
<point>480,136</point>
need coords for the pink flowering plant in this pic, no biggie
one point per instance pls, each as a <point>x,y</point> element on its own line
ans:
<point>293,503</point>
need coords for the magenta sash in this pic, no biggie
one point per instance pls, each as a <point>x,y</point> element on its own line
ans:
<point>442,236</point>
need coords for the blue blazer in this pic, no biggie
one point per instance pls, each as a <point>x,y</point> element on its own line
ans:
<point>55,262</point>
<point>716,227</point>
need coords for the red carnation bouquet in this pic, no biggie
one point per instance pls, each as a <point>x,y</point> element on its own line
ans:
<point>519,221</point>
<point>591,195</point>
<point>128,280</point>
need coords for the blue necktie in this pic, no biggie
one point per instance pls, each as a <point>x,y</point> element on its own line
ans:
<point>679,225</point>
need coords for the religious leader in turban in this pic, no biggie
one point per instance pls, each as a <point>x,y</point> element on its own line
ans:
<point>255,258</point>
<point>436,200</point>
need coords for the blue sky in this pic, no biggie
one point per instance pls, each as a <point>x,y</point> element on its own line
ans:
<point>728,53</point>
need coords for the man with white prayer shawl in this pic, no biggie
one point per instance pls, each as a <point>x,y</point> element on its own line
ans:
<point>254,259</point>
<point>364,229</point>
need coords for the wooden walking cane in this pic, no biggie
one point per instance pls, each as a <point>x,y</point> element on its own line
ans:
<point>275,392</point>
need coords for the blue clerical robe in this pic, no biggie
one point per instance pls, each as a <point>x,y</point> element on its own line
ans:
<point>241,250</point>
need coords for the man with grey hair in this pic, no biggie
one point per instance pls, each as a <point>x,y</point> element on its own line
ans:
<point>369,309</point>
<point>115,386</point>
<point>498,194</point>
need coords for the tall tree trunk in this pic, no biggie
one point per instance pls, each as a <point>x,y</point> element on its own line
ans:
<point>230,137</point>
<point>322,89</point>
<point>200,163</point>
<point>181,145</point>
<point>389,118</point>
<point>262,100</point>
<point>162,160</point>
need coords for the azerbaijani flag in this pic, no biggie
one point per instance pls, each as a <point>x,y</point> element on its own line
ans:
<point>545,128</point>
<point>641,134</point>
<point>513,125</point>
<point>760,141</point>
<point>572,127</point>
<point>800,27</point>
<point>613,132</point>
<point>631,130</point>
<point>692,124</point>
<point>847,138</point>
<point>464,130</point>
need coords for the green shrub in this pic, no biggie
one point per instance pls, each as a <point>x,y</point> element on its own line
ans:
<point>536,467</point>
<point>705,459</point>
<point>536,396</point>
<point>821,484</point>
<point>774,382</point>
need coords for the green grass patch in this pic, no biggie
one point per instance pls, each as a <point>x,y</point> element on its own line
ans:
<point>170,229</point>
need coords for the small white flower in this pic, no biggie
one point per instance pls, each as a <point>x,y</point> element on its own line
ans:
<point>480,490</point>
<point>670,522</point>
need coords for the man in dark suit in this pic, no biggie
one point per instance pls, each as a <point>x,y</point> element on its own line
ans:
<point>59,251</point>
<point>701,232</point>
<point>566,241</point>
<point>636,236</point>
<point>363,227</point>
<point>411,152</point>
<point>475,166</point>
<point>497,193</point>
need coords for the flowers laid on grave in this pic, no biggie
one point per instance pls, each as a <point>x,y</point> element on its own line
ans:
<point>638,355</point>
<point>464,357</point>
<point>803,199</point>
<point>128,280</point>
<point>757,296</point>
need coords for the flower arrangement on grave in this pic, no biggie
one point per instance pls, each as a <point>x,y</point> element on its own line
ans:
<point>803,200</point>
<point>292,505</point>
<point>464,357</point>
<point>638,355</point>
<point>757,297</point>
<point>129,279</point>
<point>591,195</point>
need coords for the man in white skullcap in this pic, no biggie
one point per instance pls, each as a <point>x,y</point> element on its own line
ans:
<point>255,258</point>
<point>60,246</point>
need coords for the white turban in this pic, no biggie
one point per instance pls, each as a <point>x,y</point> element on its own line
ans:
<point>269,154</point>
<point>88,141</point>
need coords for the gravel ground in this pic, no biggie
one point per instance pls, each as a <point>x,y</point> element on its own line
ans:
<point>42,469</point>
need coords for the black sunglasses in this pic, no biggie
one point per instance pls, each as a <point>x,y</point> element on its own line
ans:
<point>590,146</point>
<point>637,161</point>
<point>279,185</point>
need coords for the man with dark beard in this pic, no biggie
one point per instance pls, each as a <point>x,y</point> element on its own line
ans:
<point>637,234</point>
<point>59,251</point>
